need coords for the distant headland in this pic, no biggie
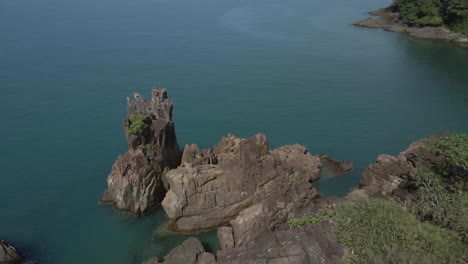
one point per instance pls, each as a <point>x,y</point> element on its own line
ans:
<point>438,20</point>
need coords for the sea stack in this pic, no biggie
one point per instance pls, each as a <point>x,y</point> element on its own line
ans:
<point>136,182</point>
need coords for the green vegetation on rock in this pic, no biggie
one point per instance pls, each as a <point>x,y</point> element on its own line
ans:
<point>421,12</point>
<point>137,124</point>
<point>455,148</point>
<point>377,230</point>
<point>428,224</point>
<point>304,221</point>
<point>452,13</point>
<point>434,202</point>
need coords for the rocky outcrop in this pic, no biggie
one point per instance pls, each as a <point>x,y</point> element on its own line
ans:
<point>271,214</point>
<point>389,175</point>
<point>8,253</point>
<point>211,187</point>
<point>388,20</point>
<point>311,244</point>
<point>136,182</point>
<point>191,251</point>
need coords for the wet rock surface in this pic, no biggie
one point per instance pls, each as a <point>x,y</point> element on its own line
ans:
<point>136,182</point>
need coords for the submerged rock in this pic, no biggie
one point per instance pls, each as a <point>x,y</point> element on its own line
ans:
<point>211,187</point>
<point>8,253</point>
<point>335,167</point>
<point>187,253</point>
<point>136,182</point>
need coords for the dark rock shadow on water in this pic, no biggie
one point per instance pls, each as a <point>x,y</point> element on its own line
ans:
<point>164,240</point>
<point>447,59</point>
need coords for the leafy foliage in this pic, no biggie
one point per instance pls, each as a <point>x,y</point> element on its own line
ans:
<point>453,13</point>
<point>310,219</point>
<point>137,124</point>
<point>421,12</point>
<point>454,147</point>
<point>147,147</point>
<point>457,15</point>
<point>303,221</point>
<point>375,229</point>
<point>454,150</point>
<point>436,203</point>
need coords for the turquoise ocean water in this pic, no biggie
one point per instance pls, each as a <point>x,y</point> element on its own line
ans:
<point>296,70</point>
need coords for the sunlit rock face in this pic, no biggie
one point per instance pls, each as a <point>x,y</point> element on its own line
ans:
<point>136,182</point>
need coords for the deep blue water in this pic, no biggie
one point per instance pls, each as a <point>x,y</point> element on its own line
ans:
<point>296,70</point>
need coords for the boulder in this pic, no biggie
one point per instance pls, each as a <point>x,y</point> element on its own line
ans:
<point>211,187</point>
<point>225,237</point>
<point>136,182</point>
<point>8,253</point>
<point>191,251</point>
<point>206,258</point>
<point>187,253</point>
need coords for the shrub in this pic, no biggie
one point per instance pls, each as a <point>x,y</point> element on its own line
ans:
<point>303,221</point>
<point>457,15</point>
<point>454,147</point>
<point>148,147</point>
<point>137,124</point>
<point>454,150</point>
<point>421,12</point>
<point>453,13</point>
<point>435,202</point>
<point>374,229</point>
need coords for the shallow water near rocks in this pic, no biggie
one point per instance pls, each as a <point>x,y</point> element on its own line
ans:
<point>296,70</point>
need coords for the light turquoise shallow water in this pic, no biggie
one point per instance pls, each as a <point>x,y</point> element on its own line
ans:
<point>295,70</point>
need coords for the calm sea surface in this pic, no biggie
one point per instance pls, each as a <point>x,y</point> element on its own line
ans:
<point>296,70</point>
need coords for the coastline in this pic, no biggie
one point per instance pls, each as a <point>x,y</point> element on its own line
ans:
<point>388,20</point>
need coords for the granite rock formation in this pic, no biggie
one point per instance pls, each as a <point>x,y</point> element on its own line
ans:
<point>8,253</point>
<point>136,182</point>
<point>311,244</point>
<point>211,187</point>
<point>389,175</point>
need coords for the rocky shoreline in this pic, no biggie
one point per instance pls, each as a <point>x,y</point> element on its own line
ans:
<point>254,195</point>
<point>260,234</point>
<point>389,20</point>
